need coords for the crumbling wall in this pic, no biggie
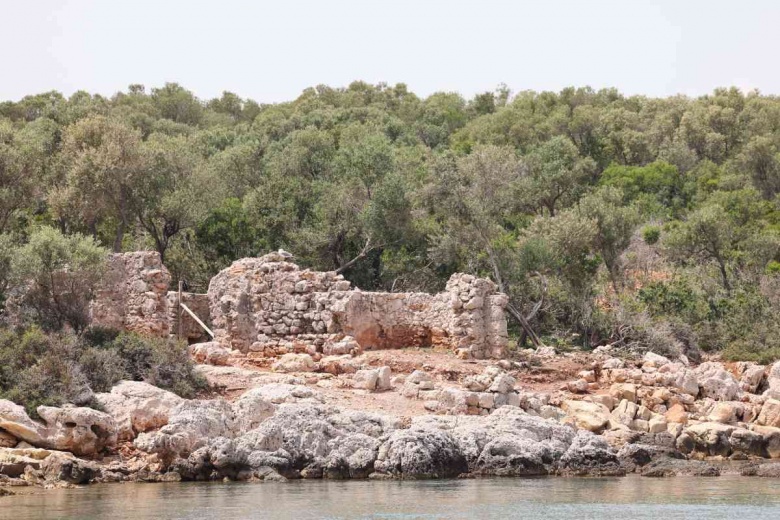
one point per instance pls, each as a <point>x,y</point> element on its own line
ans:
<point>468,316</point>
<point>259,304</point>
<point>270,306</point>
<point>132,295</point>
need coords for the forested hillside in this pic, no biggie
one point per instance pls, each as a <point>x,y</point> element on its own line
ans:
<point>641,222</point>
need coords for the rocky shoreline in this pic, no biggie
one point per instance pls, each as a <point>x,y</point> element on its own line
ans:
<point>618,416</point>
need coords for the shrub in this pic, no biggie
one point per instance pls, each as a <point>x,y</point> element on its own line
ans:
<point>99,336</point>
<point>53,380</point>
<point>19,351</point>
<point>160,362</point>
<point>743,350</point>
<point>773,267</point>
<point>651,234</point>
<point>54,275</point>
<point>47,369</point>
<point>103,368</point>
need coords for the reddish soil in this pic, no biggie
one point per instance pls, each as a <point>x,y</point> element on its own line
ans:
<point>545,375</point>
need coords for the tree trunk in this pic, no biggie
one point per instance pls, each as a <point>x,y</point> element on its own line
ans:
<point>516,314</point>
<point>724,275</point>
<point>120,235</point>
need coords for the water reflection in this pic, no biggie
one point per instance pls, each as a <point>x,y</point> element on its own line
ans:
<point>549,498</point>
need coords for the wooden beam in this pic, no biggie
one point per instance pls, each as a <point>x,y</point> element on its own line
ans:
<point>179,316</point>
<point>194,317</point>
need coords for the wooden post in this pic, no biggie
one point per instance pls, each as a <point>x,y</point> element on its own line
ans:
<point>179,312</point>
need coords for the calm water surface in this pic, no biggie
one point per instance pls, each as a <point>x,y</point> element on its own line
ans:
<point>549,498</point>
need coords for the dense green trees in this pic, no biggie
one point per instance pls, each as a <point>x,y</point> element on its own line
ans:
<point>630,220</point>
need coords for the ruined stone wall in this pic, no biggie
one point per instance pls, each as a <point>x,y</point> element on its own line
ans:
<point>132,295</point>
<point>257,304</point>
<point>468,316</point>
<point>270,306</point>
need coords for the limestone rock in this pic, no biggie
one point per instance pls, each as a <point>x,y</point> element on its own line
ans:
<point>279,393</point>
<point>624,413</point>
<point>711,438</point>
<point>769,415</point>
<point>295,363</point>
<point>773,381</point>
<point>657,424</point>
<point>771,436</point>
<point>82,431</point>
<point>726,412</point>
<point>63,467</point>
<point>717,383</point>
<point>7,440</point>
<point>677,414</point>
<point>655,360</point>
<point>679,377</point>
<point>384,379</point>
<point>415,382</point>
<point>589,416</point>
<point>607,400</point>
<point>344,346</point>
<point>137,407</point>
<point>211,353</point>
<point>747,442</point>
<point>622,391</point>
<point>351,457</point>
<point>751,376</point>
<point>15,421</point>
<point>578,386</point>
<point>589,455</point>
<point>373,379</point>
<point>366,379</point>
<point>252,408</point>
<point>420,453</point>
<point>672,468</point>
<point>191,424</point>
<point>766,470</point>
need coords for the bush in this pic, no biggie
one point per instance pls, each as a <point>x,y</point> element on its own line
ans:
<point>161,362</point>
<point>47,369</point>
<point>53,277</point>
<point>651,234</point>
<point>51,382</point>
<point>99,336</point>
<point>773,267</point>
<point>103,368</point>
<point>750,351</point>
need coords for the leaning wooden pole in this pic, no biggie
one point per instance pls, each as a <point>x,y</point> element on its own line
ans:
<point>198,320</point>
<point>179,303</point>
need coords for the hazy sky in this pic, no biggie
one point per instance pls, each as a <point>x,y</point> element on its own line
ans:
<point>271,51</point>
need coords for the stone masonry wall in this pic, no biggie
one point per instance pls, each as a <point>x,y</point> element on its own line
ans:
<point>270,306</point>
<point>258,303</point>
<point>133,294</point>
<point>468,316</point>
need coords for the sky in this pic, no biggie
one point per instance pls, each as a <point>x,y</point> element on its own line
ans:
<point>272,51</point>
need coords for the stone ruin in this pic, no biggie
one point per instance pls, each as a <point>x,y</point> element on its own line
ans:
<point>268,306</point>
<point>134,296</point>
